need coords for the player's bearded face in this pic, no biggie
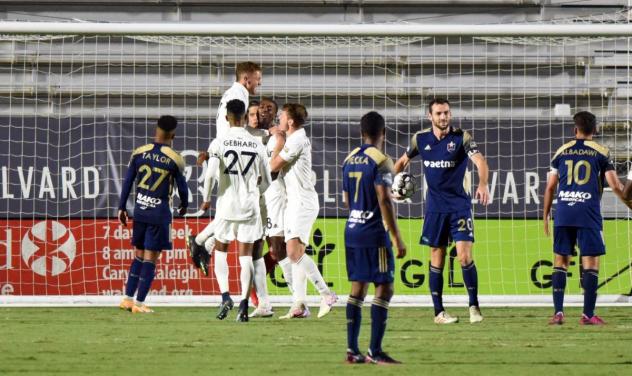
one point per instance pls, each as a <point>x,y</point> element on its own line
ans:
<point>440,116</point>
<point>253,80</point>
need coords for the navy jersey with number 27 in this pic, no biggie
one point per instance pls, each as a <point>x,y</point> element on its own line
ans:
<point>154,167</point>
<point>364,168</point>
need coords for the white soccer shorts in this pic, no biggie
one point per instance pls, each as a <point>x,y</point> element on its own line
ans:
<point>248,231</point>
<point>298,222</point>
<point>274,220</point>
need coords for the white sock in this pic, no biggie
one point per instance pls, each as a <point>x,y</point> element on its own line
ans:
<point>313,274</point>
<point>299,284</point>
<point>261,283</point>
<point>208,232</point>
<point>221,270</point>
<point>247,271</point>
<point>286,267</point>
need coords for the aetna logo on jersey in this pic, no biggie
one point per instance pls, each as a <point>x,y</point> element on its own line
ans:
<point>147,201</point>
<point>439,164</point>
<point>573,197</point>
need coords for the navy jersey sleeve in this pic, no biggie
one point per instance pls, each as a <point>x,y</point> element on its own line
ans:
<point>384,173</point>
<point>555,163</point>
<point>606,163</point>
<point>345,179</point>
<point>128,182</point>
<point>412,151</point>
<point>183,189</point>
<point>469,145</point>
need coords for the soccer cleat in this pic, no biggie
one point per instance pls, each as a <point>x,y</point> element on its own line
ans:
<point>297,311</point>
<point>380,358</point>
<point>199,256</point>
<point>326,303</point>
<point>262,311</point>
<point>126,304</point>
<point>444,318</point>
<point>595,320</point>
<point>242,314</point>
<point>141,308</point>
<point>355,357</point>
<point>226,306</point>
<point>557,319</point>
<point>475,314</point>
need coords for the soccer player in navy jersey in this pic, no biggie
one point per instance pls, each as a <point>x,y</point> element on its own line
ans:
<point>448,215</point>
<point>154,168</point>
<point>579,167</point>
<point>367,179</point>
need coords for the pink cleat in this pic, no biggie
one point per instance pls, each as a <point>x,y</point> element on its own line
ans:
<point>557,319</point>
<point>595,320</point>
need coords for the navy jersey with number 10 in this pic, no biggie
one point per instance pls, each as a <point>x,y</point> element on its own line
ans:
<point>365,167</point>
<point>581,166</point>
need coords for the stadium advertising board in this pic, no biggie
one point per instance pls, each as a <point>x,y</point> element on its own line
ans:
<point>92,257</point>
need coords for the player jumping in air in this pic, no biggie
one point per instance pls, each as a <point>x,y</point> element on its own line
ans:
<point>579,167</point>
<point>154,167</point>
<point>367,179</point>
<point>293,158</point>
<point>448,215</point>
<point>248,79</point>
<point>243,177</point>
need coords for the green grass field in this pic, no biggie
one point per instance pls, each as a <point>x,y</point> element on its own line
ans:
<point>182,341</point>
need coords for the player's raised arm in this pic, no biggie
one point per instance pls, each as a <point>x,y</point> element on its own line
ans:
<point>549,193</point>
<point>209,180</point>
<point>276,161</point>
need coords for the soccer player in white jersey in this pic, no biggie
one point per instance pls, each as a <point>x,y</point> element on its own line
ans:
<point>243,177</point>
<point>293,156</point>
<point>248,78</point>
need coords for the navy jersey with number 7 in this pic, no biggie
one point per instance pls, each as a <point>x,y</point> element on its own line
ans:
<point>154,167</point>
<point>365,167</point>
<point>581,166</point>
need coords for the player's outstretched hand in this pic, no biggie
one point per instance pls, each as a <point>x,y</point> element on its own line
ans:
<point>205,206</point>
<point>547,230</point>
<point>122,217</point>
<point>482,195</point>
<point>401,247</point>
<point>202,157</point>
<point>182,211</point>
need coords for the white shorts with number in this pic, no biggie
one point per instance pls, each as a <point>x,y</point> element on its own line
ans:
<point>248,231</point>
<point>275,207</point>
<point>298,221</point>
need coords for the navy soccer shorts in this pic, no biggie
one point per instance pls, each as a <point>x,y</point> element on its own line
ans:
<point>375,264</point>
<point>151,237</point>
<point>589,240</point>
<point>440,228</point>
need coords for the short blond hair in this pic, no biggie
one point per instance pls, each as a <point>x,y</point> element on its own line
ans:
<point>246,67</point>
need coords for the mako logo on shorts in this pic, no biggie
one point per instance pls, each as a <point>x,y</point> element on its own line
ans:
<point>48,248</point>
<point>573,197</point>
<point>439,164</point>
<point>147,201</point>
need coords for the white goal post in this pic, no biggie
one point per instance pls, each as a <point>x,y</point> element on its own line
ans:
<point>77,97</point>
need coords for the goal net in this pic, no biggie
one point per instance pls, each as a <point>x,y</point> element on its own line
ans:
<point>74,106</point>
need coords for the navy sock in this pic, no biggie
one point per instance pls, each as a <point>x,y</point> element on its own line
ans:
<point>436,288</point>
<point>132,278</point>
<point>354,319</point>
<point>225,296</point>
<point>559,285</point>
<point>379,314</point>
<point>147,274</point>
<point>470,278</point>
<point>591,280</point>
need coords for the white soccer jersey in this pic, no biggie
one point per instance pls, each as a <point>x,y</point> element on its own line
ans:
<point>298,175</point>
<point>237,91</point>
<point>244,174</point>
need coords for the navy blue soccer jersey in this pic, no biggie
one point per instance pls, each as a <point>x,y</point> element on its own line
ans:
<point>581,166</point>
<point>445,162</point>
<point>362,170</point>
<point>154,168</point>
